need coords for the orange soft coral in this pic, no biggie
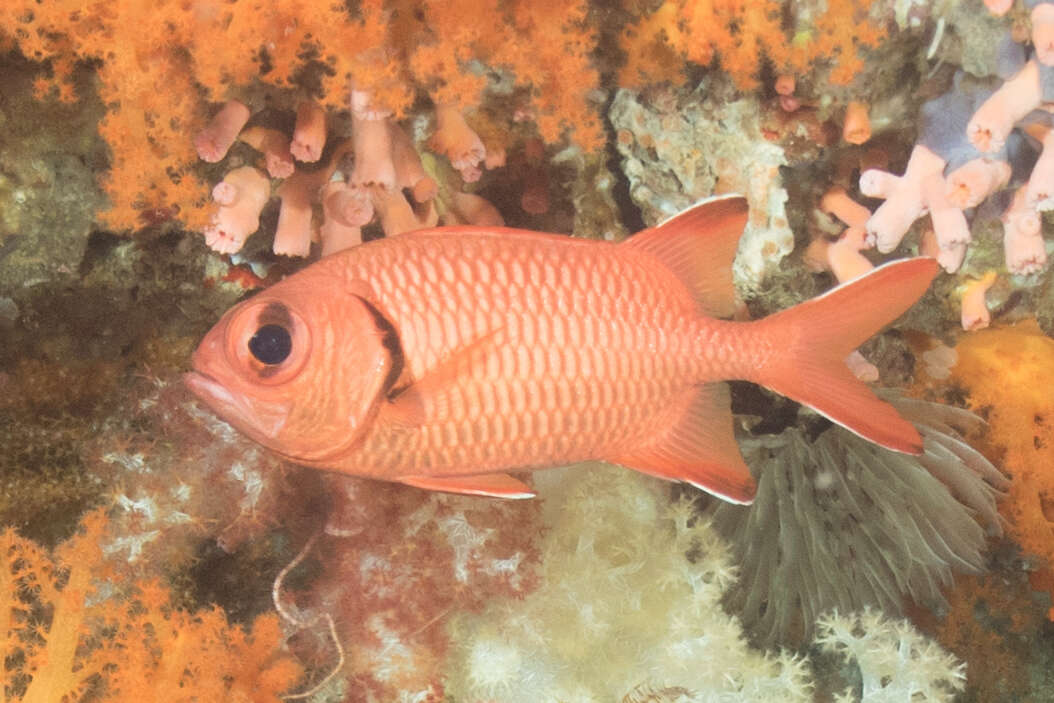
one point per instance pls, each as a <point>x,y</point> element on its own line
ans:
<point>553,57</point>
<point>161,66</point>
<point>63,636</point>
<point>739,34</point>
<point>447,37</point>
<point>1009,373</point>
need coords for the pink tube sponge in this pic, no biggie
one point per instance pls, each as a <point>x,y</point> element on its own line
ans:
<point>309,134</point>
<point>904,197</point>
<point>949,224</point>
<point>372,143</point>
<point>843,256</point>
<point>921,190</point>
<point>241,196</point>
<point>409,172</point>
<point>371,139</point>
<point>949,170</point>
<point>213,142</point>
<point>398,216</point>
<point>459,142</point>
<point>1040,193</point>
<point>1023,244</point>
<point>836,201</point>
<point>974,311</point>
<point>350,205</point>
<point>274,145</point>
<point>992,123</point>
<point>971,183</point>
<point>999,7</point>
<point>294,232</point>
<point>1043,32</point>
<point>344,210</point>
<point>469,208</point>
<point>857,126</point>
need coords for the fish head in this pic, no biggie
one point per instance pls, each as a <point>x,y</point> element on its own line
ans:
<point>300,368</point>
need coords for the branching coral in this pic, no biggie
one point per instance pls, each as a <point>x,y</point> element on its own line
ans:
<point>896,662</point>
<point>628,608</point>
<point>69,631</point>
<point>840,523</point>
<point>628,599</point>
<point>398,563</point>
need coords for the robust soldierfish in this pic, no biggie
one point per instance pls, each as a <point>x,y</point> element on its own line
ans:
<point>447,357</point>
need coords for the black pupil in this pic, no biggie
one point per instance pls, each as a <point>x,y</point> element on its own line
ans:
<point>271,344</point>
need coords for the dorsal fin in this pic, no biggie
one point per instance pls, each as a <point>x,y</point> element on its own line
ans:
<point>699,447</point>
<point>699,245</point>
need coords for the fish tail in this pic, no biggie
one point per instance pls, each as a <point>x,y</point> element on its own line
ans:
<point>810,342</point>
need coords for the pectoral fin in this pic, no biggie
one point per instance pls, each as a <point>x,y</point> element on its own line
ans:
<point>495,485</point>
<point>699,448</point>
<point>435,394</point>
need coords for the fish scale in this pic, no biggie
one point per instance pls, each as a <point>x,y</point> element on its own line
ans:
<point>604,326</point>
<point>445,358</point>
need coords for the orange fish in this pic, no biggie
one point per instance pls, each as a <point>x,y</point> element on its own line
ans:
<point>447,357</point>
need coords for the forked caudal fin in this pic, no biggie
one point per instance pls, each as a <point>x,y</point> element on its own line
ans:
<point>809,344</point>
<point>799,352</point>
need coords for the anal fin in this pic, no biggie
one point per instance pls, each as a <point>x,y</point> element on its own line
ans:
<point>494,485</point>
<point>699,448</point>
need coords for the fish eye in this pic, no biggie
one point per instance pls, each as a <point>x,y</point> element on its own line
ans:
<point>271,345</point>
<point>268,341</point>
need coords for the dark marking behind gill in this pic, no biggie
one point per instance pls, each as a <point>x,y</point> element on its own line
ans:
<point>392,343</point>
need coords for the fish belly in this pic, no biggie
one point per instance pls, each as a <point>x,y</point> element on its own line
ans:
<point>525,351</point>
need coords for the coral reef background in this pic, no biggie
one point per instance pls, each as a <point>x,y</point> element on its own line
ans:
<point>160,163</point>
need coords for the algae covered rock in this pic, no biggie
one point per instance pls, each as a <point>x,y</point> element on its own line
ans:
<point>48,193</point>
<point>680,146</point>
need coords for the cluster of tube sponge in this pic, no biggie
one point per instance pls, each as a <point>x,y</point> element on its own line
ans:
<point>980,144</point>
<point>376,174</point>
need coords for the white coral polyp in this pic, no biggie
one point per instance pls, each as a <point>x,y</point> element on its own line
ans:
<point>896,662</point>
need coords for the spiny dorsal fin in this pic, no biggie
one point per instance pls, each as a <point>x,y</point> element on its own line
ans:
<point>699,245</point>
<point>699,448</point>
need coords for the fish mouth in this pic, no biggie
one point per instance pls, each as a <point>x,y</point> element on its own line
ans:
<point>261,421</point>
<point>209,390</point>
